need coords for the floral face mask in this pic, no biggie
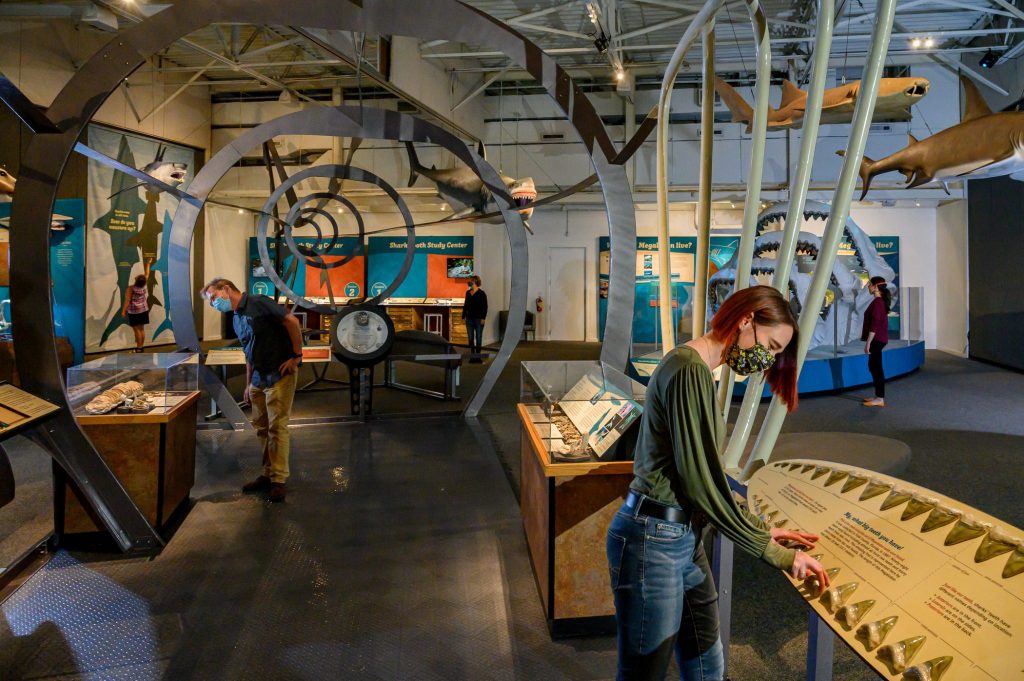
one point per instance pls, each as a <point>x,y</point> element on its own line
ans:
<point>746,361</point>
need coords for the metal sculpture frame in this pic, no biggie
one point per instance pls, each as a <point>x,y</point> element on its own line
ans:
<point>47,155</point>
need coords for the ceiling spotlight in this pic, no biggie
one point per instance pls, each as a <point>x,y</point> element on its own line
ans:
<point>341,210</point>
<point>929,42</point>
<point>241,211</point>
<point>620,75</point>
<point>594,13</point>
<point>915,43</point>
<point>989,60</point>
<point>917,203</point>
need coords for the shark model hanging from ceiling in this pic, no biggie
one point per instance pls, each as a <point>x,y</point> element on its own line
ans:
<point>983,144</point>
<point>895,97</point>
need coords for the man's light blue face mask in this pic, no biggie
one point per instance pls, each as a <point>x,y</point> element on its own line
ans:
<point>220,304</point>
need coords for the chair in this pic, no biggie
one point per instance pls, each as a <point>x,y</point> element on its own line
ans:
<point>528,325</point>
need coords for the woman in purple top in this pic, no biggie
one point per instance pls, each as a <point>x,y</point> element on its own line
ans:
<point>136,306</point>
<point>876,335</point>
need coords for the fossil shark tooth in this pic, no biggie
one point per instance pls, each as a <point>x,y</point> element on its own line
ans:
<point>853,482</point>
<point>898,655</point>
<point>851,615</point>
<point>932,670</point>
<point>807,467</point>
<point>874,489</point>
<point>819,556</point>
<point>811,581</point>
<point>835,477</point>
<point>964,530</point>
<point>939,517</point>
<point>771,516</point>
<point>820,471</point>
<point>794,466</point>
<point>995,544</point>
<point>780,523</point>
<point>874,633</point>
<point>895,498</point>
<point>916,507</point>
<point>1015,563</point>
<point>836,597</point>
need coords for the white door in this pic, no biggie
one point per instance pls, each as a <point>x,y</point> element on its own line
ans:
<point>565,311</point>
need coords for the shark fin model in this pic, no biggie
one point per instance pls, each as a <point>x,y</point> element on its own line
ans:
<point>895,97</point>
<point>983,144</point>
<point>7,182</point>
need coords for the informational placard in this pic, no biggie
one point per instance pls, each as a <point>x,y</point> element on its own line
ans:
<point>440,268</point>
<point>920,582</point>
<point>600,415</point>
<point>344,281</point>
<point>19,409</point>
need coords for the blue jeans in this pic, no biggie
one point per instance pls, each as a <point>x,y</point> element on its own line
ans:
<point>663,588</point>
<point>475,330</point>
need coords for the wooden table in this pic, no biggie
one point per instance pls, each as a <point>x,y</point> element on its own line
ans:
<point>566,510</point>
<point>154,457</point>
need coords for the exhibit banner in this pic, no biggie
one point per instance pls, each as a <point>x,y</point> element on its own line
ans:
<point>440,268</point>
<point>67,271</point>
<point>922,586</point>
<point>344,281</point>
<point>129,226</point>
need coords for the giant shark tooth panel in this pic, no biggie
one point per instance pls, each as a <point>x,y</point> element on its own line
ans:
<point>836,596</point>
<point>873,633</point>
<point>1015,563</point>
<point>932,670</point>
<point>851,615</point>
<point>900,654</point>
<point>995,544</point>
<point>874,489</point>
<point>917,507</point>
<point>939,517</point>
<point>853,482</point>
<point>895,498</point>
<point>964,530</point>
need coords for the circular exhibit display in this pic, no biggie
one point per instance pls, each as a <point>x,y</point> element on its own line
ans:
<point>362,335</point>
<point>922,587</point>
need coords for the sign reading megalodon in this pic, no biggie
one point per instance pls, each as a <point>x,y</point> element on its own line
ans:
<point>922,586</point>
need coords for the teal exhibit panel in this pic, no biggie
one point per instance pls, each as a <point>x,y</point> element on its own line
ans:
<point>646,305</point>
<point>347,280</point>
<point>67,272</point>
<point>440,266</point>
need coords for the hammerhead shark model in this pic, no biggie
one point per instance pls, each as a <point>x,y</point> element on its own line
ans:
<point>7,182</point>
<point>983,144</point>
<point>462,186</point>
<point>895,97</point>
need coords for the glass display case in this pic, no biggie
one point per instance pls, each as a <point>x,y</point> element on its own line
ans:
<point>151,382</point>
<point>580,409</point>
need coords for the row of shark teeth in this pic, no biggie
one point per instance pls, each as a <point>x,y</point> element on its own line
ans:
<point>802,248</point>
<point>776,216</point>
<point>965,528</point>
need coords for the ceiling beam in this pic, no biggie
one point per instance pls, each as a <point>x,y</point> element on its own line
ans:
<point>555,31</point>
<point>482,86</point>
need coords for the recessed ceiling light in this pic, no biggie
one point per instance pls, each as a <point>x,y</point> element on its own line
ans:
<point>915,43</point>
<point>929,42</point>
<point>241,211</point>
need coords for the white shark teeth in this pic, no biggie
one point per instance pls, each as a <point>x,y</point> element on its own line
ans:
<point>874,489</point>
<point>939,517</point>
<point>874,633</point>
<point>965,530</point>
<point>932,670</point>
<point>916,507</point>
<point>853,482</point>
<point>836,597</point>
<point>851,615</point>
<point>900,654</point>
<point>895,498</point>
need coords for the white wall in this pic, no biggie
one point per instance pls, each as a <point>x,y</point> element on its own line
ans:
<point>951,284</point>
<point>40,57</point>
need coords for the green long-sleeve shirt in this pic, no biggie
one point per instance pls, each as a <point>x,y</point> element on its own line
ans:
<point>676,457</point>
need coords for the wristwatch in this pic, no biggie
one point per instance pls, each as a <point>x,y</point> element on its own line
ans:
<point>297,355</point>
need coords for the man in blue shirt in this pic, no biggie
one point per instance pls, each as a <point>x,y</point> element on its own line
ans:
<point>271,338</point>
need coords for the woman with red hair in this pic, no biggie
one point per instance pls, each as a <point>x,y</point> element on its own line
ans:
<point>659,573</point>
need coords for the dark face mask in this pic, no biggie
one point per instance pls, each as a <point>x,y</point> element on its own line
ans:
<point>746,361</point>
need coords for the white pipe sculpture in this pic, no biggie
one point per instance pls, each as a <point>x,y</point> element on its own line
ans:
<point>837,220</point>
<point>759,24</point>
<point>703,18</point>
<point>787,251</point>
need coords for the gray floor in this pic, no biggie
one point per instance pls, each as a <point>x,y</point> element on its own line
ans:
<point>399,553</point>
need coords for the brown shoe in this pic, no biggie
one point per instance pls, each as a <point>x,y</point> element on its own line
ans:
<point>260,484</point>
<point>277,491</point>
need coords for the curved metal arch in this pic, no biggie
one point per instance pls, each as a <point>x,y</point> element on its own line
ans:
<point>323,198</point>
<point>47,155</point>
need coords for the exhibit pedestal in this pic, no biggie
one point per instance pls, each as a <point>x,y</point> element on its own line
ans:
<point>153,456</point>
<point>566,510</point>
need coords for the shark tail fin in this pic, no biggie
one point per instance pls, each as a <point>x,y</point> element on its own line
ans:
<point>414,163</point>
<point>738,107</point>
<point>865,173</point>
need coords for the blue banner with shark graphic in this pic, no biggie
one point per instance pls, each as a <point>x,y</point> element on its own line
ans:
<point>129,229</point>
<point>67,272</point>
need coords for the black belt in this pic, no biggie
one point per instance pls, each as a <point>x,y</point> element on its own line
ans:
<point>647,506</point>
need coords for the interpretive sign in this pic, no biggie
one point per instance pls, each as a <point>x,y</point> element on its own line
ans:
<point>922,586</point>
<point>19,408</point>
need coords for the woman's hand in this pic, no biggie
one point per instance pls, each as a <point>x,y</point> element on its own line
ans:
<point>867,348</point>
<point>804,566</point>
<point>793,538</point>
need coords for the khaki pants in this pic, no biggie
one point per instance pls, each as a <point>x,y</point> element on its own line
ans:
<point>271,408</point>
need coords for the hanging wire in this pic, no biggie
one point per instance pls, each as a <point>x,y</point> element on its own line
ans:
<point>736,41</point>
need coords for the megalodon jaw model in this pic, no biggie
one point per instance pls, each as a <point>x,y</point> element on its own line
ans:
<point>895,97</point>
<point>464,187</point>
<point>983,144</point>
<point>7,182</point>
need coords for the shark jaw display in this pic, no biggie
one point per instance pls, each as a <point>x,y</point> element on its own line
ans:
<point>983,144</point>
<point>895,97</point>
